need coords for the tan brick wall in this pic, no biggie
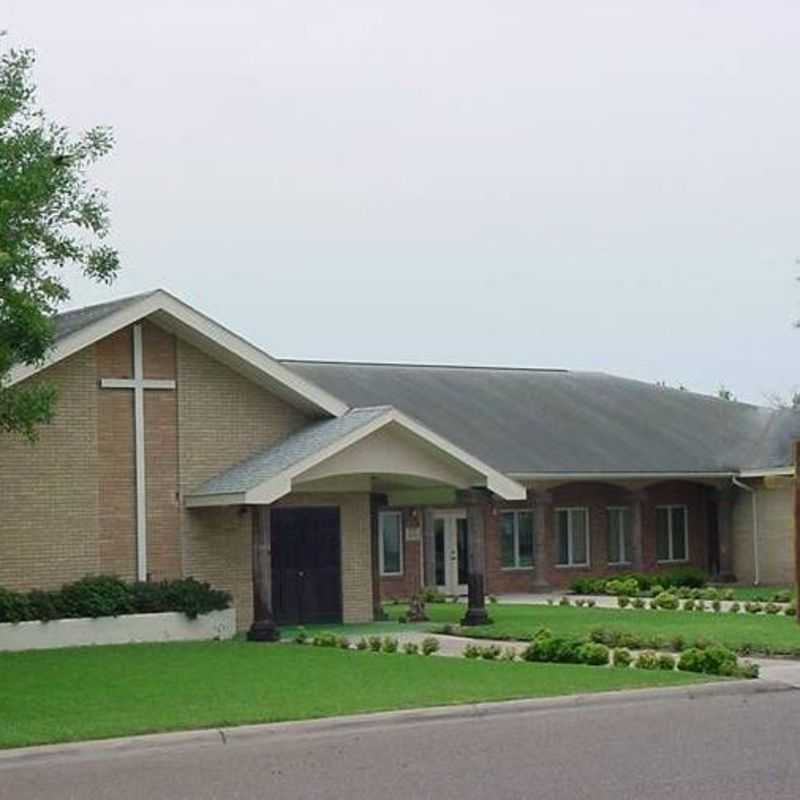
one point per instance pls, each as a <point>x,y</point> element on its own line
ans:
<point>223,419</point>
<point>775,538</point>
<point>356,547</point>
<point>48,491</point>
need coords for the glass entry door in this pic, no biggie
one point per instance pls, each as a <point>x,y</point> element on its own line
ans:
<point>451,551</point>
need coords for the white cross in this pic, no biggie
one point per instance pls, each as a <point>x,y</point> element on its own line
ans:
<point>138,383</point>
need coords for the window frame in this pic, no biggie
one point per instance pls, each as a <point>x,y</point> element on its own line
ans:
<point>671,533</point>
<point>516,566</point>
<point>570,535</point>
<point>382,515</point>
<point>627,559</point>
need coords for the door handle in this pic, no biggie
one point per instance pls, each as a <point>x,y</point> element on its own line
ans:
<point>301,574</point>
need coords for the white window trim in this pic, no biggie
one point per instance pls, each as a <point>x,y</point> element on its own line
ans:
<point>670,542</point>
<point>382,515</point>
<point>516,566</point>
<point>573,564</point>
<point>627,557</point>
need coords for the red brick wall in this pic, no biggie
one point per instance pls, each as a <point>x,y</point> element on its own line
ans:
<point>407,584</point>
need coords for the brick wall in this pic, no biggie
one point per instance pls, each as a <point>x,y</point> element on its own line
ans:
<point>409,583</point>
<point>49,500</point>
<point>223,419</point>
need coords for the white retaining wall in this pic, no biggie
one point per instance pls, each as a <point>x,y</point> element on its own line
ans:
<point>167,627</point>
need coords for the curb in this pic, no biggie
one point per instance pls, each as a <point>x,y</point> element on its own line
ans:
<point>25,756</point>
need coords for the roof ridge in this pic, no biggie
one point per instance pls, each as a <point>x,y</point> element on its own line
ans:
<point>119,300</point>
<point>419,365</point>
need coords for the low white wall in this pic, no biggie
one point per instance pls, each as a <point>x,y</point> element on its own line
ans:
<point>167,627</point>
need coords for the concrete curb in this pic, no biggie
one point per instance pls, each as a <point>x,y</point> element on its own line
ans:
<point>27,756</point>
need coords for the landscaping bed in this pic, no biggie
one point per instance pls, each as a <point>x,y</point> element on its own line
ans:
<point>90,693</point>
<point>746,634</point>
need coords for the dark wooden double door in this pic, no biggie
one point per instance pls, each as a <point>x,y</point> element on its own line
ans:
<point>306,565</point>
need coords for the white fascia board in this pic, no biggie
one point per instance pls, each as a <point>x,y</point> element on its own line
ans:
<point>768,472</point>
<point>165,303</point>
<point>588,476</point>
<point>206,500</point>
<point>496,481</point>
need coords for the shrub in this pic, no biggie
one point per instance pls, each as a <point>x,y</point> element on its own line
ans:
<point>666,661</point>
<point>734,608</point>
<point>637,602</point>
<point>622,657</point>
<point>13,606</point>
<point>579,602</point>
<point>656,589</point>
<point>688,605</point>
<point>434,596</point>
<point>593,654</point>
<point>748,670</point>
<point>591,602</point>
<point>362,644</point>
<point>713,660</point>
<point>550,601</point>
<point>684,576</point>
<point>492,598</point>
<point>43,606</point>
<point>710,593</point>
<point>430,645</point>
<point>623,601</point>
<point>716,605</point>
<point>790,610</point>
<point>647,660</point>
<point>564,601</point>
<point>411,648</point>
<point>782,596</point>
<point>666,601</point>
<point>604,636</point>
<point>324,640</point>
<point>342,642</point>
<point>375,643</point>
<point>700,605</point>
<point>390,644</point>
<point>677,643</point>
<point>301,637</point>
<point>559,649</point>
<point>472,651</point>
<point>753,608</point>
<point>588,586</point>
<point>101,596</point>
<point>627,587</point>
<point>491,652</point>
<point>682,592</point>
<point>772,608</point>
<point>509,654</point>
<point>695,594</point>
<point>728,594</point>
<point>402,619</point>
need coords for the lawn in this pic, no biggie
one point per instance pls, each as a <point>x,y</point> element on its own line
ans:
<point>761,594</point>
<point>760,633</point>
<point>98,692</point>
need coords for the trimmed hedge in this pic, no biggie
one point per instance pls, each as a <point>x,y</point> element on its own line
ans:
<point>107,596</point>
<point>634,582</point>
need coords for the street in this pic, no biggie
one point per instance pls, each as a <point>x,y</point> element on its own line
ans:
<point>734,747</point>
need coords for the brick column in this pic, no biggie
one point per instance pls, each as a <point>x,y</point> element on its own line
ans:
<point>376,501</point>
<point>263,628</point>
<point>638,503</point>
<point>543,539</point>
<point>725,533</point>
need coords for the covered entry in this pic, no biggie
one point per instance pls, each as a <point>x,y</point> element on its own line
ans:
<point>306,565</point>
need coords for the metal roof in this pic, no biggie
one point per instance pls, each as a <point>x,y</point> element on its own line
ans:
<point>526,421</point>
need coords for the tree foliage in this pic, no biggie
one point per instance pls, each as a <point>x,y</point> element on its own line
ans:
<point>51,217</point>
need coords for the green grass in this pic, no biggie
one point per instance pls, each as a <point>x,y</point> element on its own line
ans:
<point>759,633</point>
<point>98,692</point>
<point>763,594</point>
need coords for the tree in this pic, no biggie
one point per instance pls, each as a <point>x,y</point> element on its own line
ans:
<point>50,218</point>
<point>778,401</point>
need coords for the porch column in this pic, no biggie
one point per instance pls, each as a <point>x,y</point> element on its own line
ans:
<point>638,502</point>
<point>375,503</point>
<point>263,628</point>
<point>428,550</point>
<point>477,504</point>
<point>543,536</point>
<point>724,532</point>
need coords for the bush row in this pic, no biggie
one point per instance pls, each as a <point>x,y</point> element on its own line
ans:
<point>375,644</point>
<point>689,577</point>
<point>106,596</point>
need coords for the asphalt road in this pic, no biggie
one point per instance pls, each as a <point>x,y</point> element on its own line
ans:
<point>731,747</point>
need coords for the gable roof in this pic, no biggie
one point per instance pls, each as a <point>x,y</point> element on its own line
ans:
<point>268,475</point>
<point>80,328</point>
<point>536,423</point>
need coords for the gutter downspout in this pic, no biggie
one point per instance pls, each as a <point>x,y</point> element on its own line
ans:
<point>754,499</point>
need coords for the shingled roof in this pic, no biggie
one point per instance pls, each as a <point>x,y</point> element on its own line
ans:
<point>528,421</point>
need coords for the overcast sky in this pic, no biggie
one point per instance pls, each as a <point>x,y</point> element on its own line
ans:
<point>597,186</point>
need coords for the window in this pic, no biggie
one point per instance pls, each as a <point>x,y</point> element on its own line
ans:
<point>619,536</point>
<point>390,540</point>
<point>573,537</point>
<point>672,533</point>
<point>516,539</point>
